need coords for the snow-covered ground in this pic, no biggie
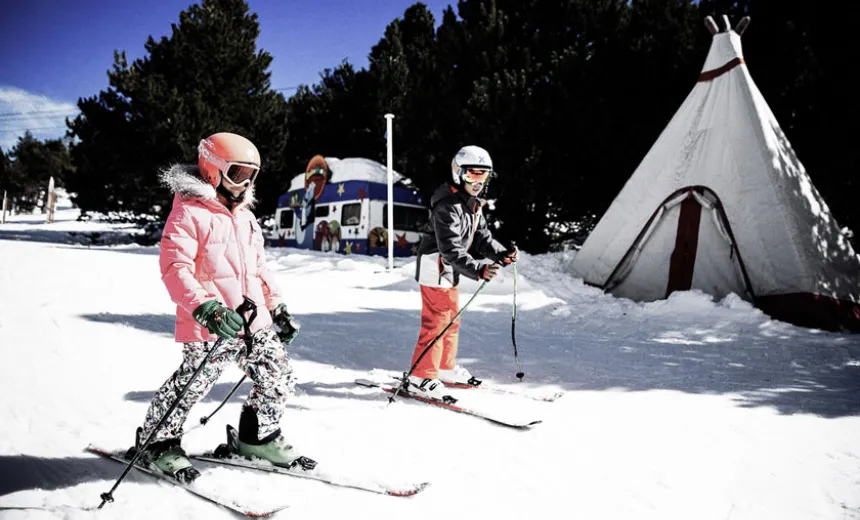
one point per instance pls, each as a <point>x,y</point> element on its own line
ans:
<point>677,409</point>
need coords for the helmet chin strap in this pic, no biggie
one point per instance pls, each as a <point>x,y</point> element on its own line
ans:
<point>228,195</point>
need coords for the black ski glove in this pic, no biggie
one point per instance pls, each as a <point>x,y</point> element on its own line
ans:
<point>511,256</point>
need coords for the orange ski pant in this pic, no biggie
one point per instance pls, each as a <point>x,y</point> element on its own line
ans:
<point>439,305</point>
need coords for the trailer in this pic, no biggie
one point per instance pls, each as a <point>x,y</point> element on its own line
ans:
<point>341,205</point>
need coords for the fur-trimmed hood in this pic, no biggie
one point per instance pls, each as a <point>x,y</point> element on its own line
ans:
<point>184,180</point>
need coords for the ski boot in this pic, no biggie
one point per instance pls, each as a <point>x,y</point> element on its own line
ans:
<point>431,389</point>
<point>459,376</point>
<point>166,457</point>
<point>273,448</point>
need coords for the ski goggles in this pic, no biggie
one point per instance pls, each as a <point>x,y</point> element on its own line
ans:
<point>236,174</point>
<point>475,176</point>
<point>239,174</point>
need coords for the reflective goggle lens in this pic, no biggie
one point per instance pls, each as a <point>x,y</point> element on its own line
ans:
<point>240,173</point>
<point>473,176</point>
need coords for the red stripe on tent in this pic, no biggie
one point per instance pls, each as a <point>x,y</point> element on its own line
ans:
<point>812,310</point>
<point>708,75</point>
<point>686,243</point>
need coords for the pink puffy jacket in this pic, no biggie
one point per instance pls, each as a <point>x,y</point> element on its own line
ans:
<point>209,253</point>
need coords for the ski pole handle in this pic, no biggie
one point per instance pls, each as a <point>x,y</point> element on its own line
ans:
<point>246,306</point>
<point>506,260</point>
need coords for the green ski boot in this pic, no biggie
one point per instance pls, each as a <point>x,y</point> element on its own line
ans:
<point>277,451</point>
<point>168,457</point>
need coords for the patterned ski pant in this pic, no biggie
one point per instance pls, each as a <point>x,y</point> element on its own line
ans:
<point>268,367</point>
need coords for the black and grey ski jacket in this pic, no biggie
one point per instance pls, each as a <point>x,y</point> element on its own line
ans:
<point>456,227</point>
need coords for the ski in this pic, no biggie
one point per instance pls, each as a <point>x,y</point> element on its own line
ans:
<point>522,425</point>
<point>226,454</point>
<point>549,398</point>
<point>50,509</point>
<point>191,488</point>
<point>335,480</point>
<point>497,390</point>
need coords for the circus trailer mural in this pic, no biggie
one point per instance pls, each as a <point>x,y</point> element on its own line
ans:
<point>341,205</point>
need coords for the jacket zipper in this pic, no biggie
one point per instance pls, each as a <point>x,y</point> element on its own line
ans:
<point>242,269</point>
<point>474,228</point>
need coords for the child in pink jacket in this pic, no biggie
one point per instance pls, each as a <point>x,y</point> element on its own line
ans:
<point>212,257</point>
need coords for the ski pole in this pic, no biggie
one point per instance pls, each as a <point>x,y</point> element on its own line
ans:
<point>520,373</point>
<point>427,349</point>
<point>247,305</point>
<point>204,420</point>
<point>248,344</point>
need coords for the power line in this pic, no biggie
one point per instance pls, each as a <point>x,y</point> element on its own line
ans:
<point>20,119</point>
<point>53,111</point>
<point>74,111</point>
<point>24,129</point>
<point>10,117</point>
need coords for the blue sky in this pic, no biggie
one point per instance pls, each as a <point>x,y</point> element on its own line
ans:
<point>54,51</point>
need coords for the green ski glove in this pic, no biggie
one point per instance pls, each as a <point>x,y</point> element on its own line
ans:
<point>289,326</point>
<point>218,319</point>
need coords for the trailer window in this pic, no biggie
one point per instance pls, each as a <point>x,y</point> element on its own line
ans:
<point>322,211</point>
<point>350,215</point>
<point>406,218</point>
<point>286,221</point>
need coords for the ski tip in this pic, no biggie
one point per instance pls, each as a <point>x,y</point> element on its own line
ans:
<point>408,492</point>
<point>264,514</point>
<point>367,382</point>
<point>524,426</point>
<point>92,448</point>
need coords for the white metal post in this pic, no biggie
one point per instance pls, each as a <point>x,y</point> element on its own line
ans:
<point>51,200</point>
<point>388,132</point>
<point>4,206</point>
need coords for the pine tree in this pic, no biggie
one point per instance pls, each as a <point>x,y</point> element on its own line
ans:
<point>32,164</point>
<point>335,118</point>
<point>208,76</point>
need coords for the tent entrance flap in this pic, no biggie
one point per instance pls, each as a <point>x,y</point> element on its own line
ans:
<point>683,259</point>
<point>686,244</point>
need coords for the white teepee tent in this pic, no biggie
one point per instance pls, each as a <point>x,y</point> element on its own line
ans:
<point>722,204</point>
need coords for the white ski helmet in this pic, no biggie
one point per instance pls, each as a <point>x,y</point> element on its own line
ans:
<point>470,157</point>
